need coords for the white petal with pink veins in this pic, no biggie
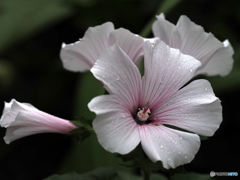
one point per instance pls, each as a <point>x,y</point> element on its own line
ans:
<point>191,39</point>
<point>130,43</point>
<point>18,132</point>
<point>166,70</point>
<point>171,147</point>
<point>120,75</point>
<point>136,110</point>
<point>81,55</point>
<point>194,108</point>
<point>163,29</point>
<point>23,119</point>
<point>11,110</point>
<point>221,62</point>
<point>114,125</point>
<point>195,41</point>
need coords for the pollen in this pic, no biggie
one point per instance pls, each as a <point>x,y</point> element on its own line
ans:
<point>143,114</point>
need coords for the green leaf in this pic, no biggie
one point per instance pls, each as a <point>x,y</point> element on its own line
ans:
<point>104,173</point>
<point>122,175</point>
<point>151,166</point>
<point>143,162</point>
<point>158,177</point>
<point>191,176</point>
<point>85,129</point>
<point>81,134</point>
<point>101,174</point>
<point>83,122</point>
<point>97,174</point>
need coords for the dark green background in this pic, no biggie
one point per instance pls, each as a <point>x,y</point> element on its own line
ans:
<point>31,34</point>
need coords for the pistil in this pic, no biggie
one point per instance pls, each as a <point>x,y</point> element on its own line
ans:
<point>143,115</point>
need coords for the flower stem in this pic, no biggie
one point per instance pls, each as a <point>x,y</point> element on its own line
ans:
<point>164,7</point>
<point>146,174</point>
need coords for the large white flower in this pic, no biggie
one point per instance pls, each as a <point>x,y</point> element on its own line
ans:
<point>22,119</point>
<point>82,55</point>
<point>191,39</point>
<point>139,110</point>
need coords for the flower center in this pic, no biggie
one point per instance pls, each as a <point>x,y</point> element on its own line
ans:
<point>143,115</point>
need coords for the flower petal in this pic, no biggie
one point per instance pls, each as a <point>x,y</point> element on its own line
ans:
<point>11,110</point>
<point>130,43</point>
<point>191,39</point>
<point>81,55</point>
<point>221,62</point>
<point>16,132</point>
<point>151,40</point>
<point>29,122</point>
<point>195,41</point>
<point>194,108</point>
<point>166,32</point>
<point>170,146</point>
<point>119,75</point>
<point>166,70</point>
<point>23,119</point>
<point>114,125</point>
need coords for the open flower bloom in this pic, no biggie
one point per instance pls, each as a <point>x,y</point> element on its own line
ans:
<point>82,55</point>
<point>22,119</point>
<point>191,39</point>
<point>139,110</point>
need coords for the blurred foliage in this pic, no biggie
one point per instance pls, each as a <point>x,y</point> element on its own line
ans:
<point>97,174</point>
<point>103,174</point>
<point>191,176</point>
<point>31,34</point>
<point>21,19</point>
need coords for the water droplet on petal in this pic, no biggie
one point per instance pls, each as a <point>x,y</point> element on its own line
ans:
<point>185,157</point>
<point>169,159</point>
<point>205,88</point>
<point>180,137</point>
<point>184,60</point>
<point>161,146</point>
<point>191,70</point>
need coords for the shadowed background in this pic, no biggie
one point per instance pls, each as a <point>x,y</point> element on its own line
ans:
<point>31,34</point>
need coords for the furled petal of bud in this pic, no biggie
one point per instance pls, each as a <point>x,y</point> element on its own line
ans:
<point>23,119</point>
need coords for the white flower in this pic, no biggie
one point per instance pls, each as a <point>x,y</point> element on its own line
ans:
<point>139,110</point>
<point>82,55</point>
<point>191,39</point>
<point>22,119</point>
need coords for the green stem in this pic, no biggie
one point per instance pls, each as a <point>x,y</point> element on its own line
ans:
<point>164,7</point>
<point>146,174</point>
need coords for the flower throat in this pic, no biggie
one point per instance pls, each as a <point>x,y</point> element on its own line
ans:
<point>143,116</point>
